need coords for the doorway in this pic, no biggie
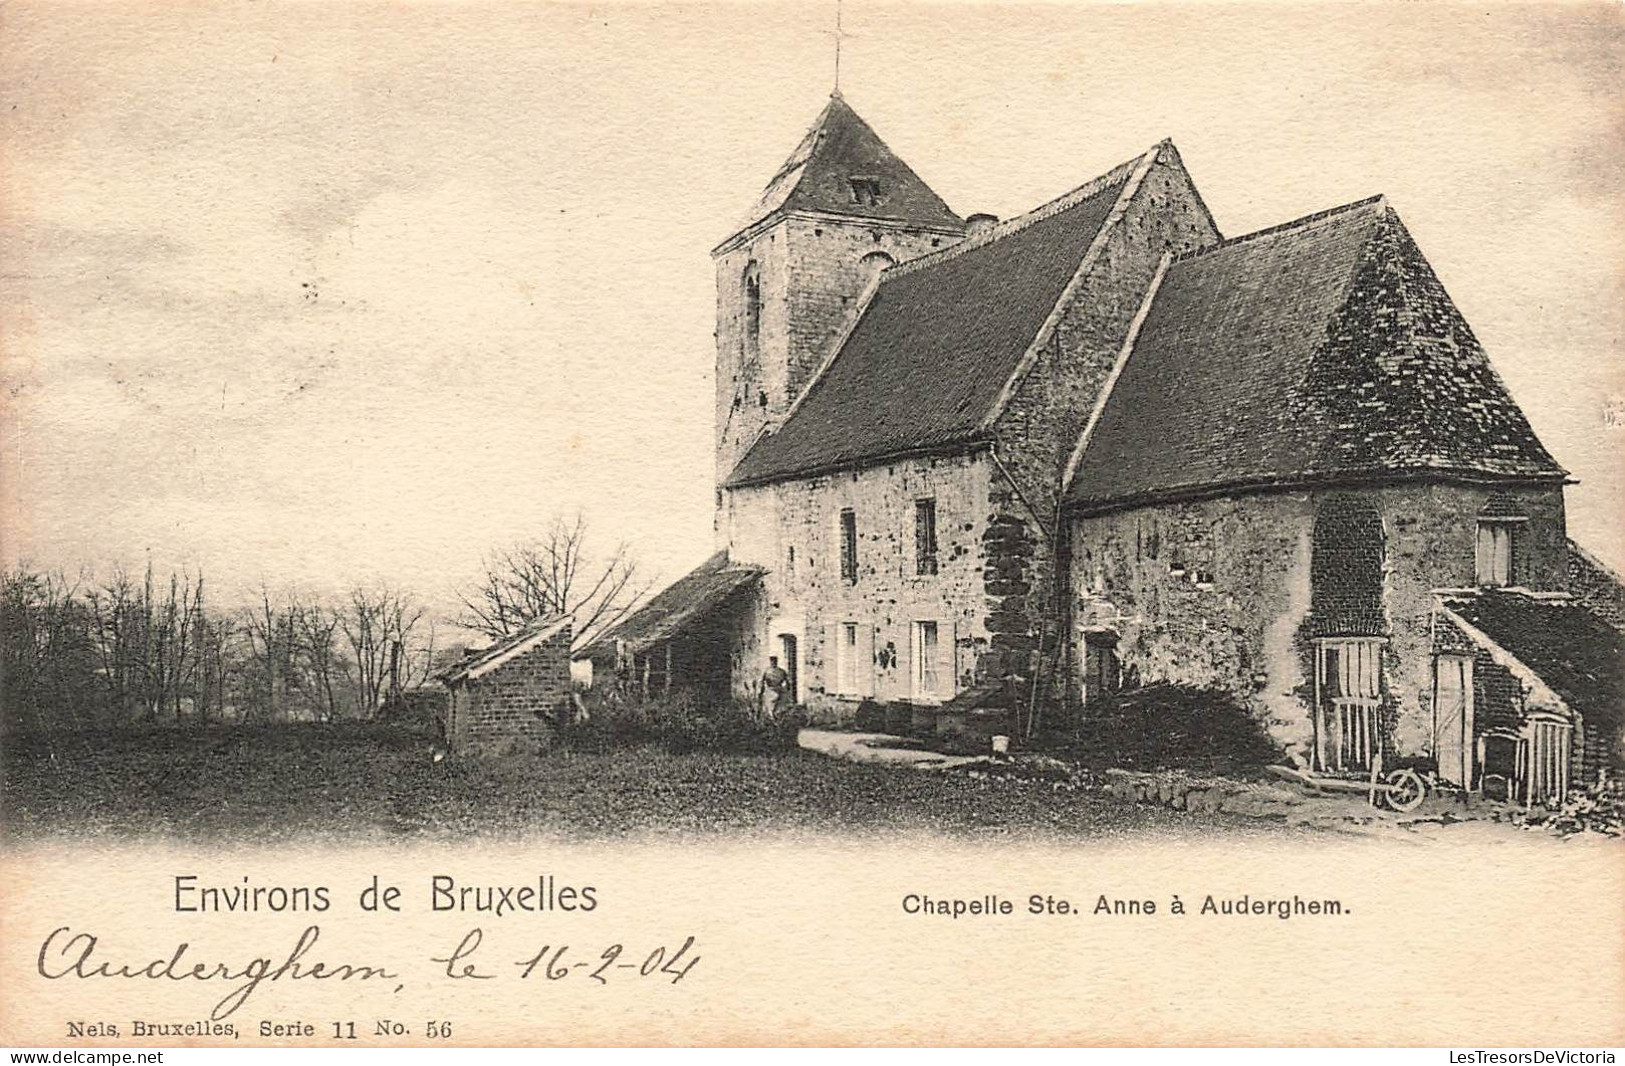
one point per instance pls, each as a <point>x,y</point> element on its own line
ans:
<point>1453,740</point>
<point>791,660</point>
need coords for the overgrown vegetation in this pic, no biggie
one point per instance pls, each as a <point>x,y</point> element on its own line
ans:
<point>680,722</point>
<point>1167,726</point>
<point>1599,808</point>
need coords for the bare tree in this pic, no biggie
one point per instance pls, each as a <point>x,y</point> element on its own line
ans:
<point>47,659</point>
<point>377,624</point>
<point>272,632</point>
<point>319,658</point>
<point>216,638</point>
<point>555,574</point>
<point>116,635</point>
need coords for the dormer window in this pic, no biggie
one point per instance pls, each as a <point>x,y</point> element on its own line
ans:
<point>865,191</point>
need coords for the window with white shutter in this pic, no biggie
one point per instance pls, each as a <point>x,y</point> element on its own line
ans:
<point>846,658</point>
<point>1495,546</point>
<point>932,661</point>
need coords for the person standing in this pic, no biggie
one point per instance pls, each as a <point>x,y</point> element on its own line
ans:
<point>775,683</point>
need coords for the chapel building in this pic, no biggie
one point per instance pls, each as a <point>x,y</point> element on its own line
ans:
<point>962,462</point>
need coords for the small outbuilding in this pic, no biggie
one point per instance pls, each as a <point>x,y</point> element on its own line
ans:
<point>509,698</point>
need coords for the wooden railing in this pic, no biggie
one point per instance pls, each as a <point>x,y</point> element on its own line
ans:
<point>1544,754</point>
<point>1348,732</point>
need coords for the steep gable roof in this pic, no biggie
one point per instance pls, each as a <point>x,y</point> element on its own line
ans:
<point>1322,350</point>
<point>933,349</point>
<point>841,146</point>
<point>687,599</point>
<point>509,647</point>
<point>1577,655</point>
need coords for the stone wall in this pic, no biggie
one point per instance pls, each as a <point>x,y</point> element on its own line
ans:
<point>809,598</point>
<point>1040,426</point>
<point>510,710</point>
<point>813,271</point>
<point>1218,592</point>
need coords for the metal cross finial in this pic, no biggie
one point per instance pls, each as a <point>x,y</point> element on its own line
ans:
<point>839,35</point>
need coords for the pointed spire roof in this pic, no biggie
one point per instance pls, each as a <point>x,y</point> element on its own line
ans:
<point>838,149</point>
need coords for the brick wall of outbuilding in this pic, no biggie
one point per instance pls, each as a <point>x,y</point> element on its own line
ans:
<point>512,708</point>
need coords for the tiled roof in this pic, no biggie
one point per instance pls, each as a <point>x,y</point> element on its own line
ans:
<point>487,659</point>
<point>937,342</point>
<point>1596,585</point>
<point>1576,654</point>
<point>1322,350</point>
<point>841,146</point>
<point>687,599</point>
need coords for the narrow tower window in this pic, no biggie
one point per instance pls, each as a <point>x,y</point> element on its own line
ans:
<point>752,335</point>
<point>849,547</point>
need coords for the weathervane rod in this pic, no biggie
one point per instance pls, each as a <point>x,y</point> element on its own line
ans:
<point>837,45</point>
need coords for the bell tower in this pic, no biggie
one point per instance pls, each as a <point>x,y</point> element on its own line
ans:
<point>841,209</point>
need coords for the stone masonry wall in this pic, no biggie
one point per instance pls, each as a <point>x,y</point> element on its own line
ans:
<point>809,598</point>
<point>507,710</point>
<point>813,272</point>
<point>1040,427</point>
<point>1217,592</point>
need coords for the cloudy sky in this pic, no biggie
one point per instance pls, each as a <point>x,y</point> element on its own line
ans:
<point>318,293</point>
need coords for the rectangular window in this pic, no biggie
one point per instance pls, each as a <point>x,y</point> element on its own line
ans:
<point>1495,553</point>
<point>846,659</point>
<point>931,673</point>
<point>849,547</point>
<point>925,536</point>
<point>790,561</point>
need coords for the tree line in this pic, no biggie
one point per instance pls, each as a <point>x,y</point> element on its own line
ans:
<point>78,653</point>
<point>82,653</point>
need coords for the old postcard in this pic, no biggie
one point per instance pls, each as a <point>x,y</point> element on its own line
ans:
<point>820,523</point>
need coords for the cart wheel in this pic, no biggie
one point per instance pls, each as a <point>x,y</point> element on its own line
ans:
<point>1406,791</point>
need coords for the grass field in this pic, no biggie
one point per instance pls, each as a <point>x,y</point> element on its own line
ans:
<point>310,781</point>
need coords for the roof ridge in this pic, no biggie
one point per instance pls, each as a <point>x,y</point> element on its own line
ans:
<point>1305,222</point>
<point>1091,188</point>
<point>795,159</point>
<point>1127,192</point>
<point>1123,353</point>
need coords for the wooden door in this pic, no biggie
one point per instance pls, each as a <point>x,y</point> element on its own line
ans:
<point>1453,739</point>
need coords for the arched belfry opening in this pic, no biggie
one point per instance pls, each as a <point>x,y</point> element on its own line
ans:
<point>874,262</point>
